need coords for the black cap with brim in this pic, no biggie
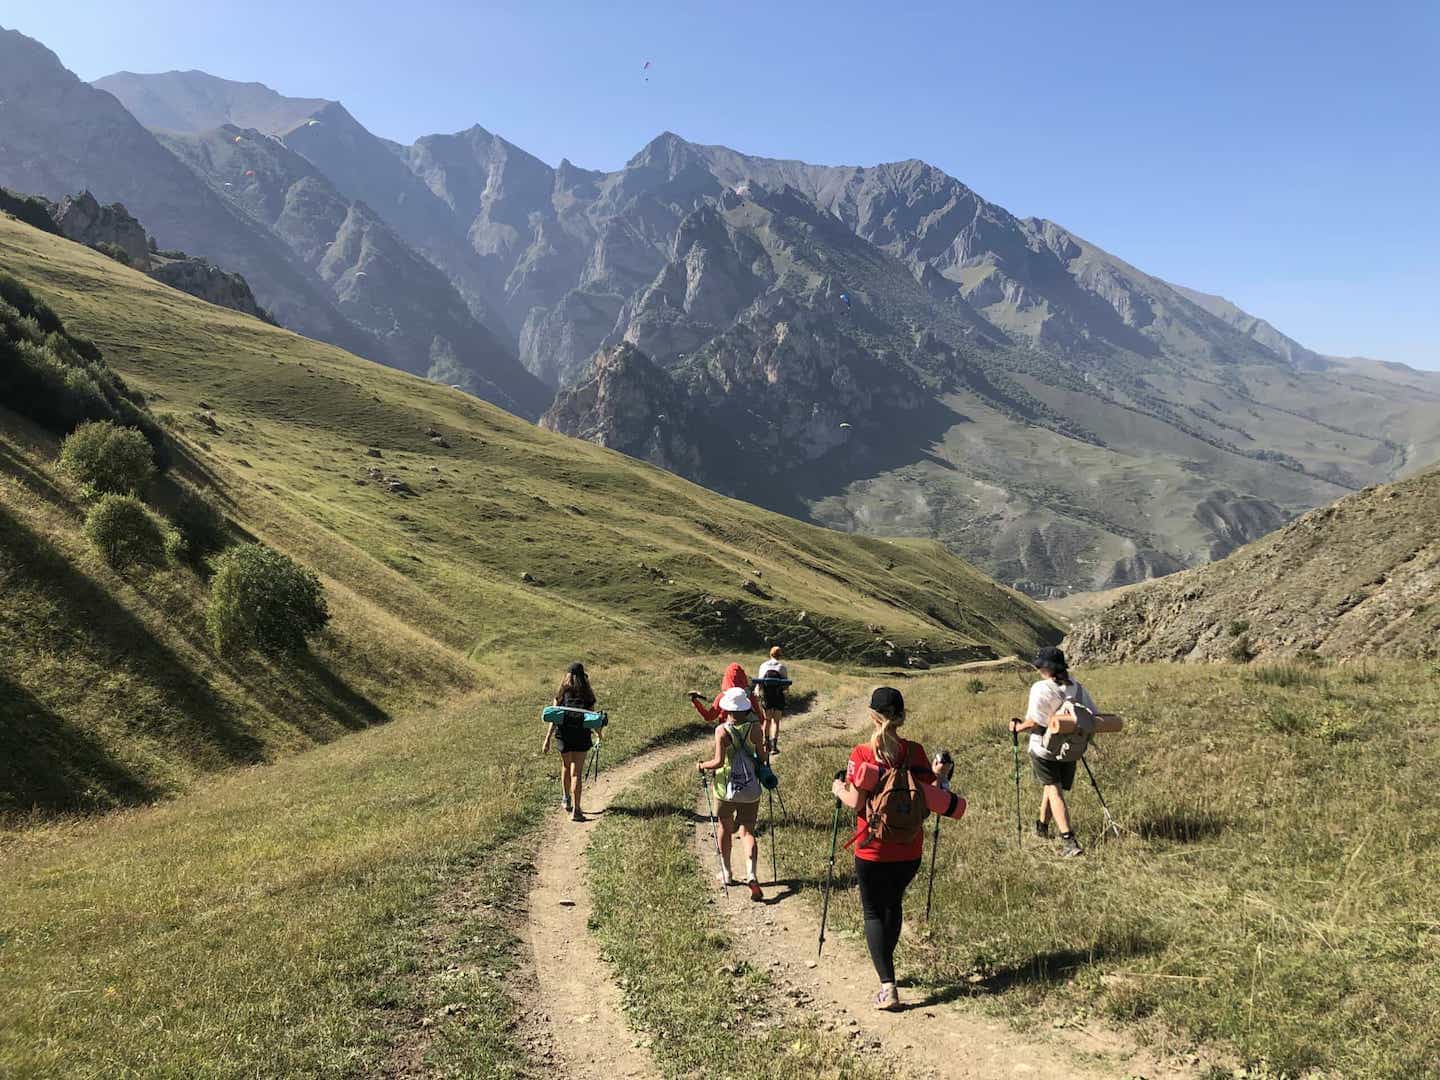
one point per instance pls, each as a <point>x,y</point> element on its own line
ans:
<point>887,701</point>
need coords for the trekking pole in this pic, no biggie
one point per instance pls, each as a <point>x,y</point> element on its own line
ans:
<point>829,875</point>
<point>715,840</point>
<point>1019,824</point>
<point>1110,823</point>
<point>774,874</point>
<point>934,851</point>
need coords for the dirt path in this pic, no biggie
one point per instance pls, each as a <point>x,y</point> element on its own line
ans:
<point>576,1003</point>
<point>950,1039</point>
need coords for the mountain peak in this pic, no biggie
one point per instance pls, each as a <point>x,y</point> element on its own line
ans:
<point>193,101</point>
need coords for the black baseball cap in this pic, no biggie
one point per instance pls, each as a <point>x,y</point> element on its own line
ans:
<point>1051,659</point>
<point>887,701</point>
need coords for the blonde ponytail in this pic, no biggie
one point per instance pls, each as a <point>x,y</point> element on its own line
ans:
<point>885,742</point>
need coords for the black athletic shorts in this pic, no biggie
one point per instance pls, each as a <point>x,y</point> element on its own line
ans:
<point>1061,773</point>
<point>773,695</point>
<point>577,740</point>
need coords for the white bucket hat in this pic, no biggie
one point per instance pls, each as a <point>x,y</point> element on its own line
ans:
<point>735,700</point>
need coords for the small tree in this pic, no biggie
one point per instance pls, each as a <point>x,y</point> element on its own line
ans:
<point>264,600</point>
<point>201,521</point>
<point>125,532</point>
<point>107,459</point>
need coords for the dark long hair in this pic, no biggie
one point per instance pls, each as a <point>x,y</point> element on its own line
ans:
<point>576,683</point>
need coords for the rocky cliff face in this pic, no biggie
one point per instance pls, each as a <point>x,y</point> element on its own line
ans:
<point>81,218</point>
<point>207,281</point>
<point>1358,578</point>
<point>625,402</point>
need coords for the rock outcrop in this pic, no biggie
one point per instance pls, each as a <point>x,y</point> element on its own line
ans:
<point>81,218</point>
<point>625,402</point>
<point>207,281</point>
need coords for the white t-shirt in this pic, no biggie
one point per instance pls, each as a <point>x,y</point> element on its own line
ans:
<point>775,668</point>
<point>1045,699</point>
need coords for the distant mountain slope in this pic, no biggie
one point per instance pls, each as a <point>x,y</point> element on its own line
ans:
<point>378,281</point>
<point>193,101</point>
<point>59,136</point>
<point>897,354</point>
<point>1360,577</point>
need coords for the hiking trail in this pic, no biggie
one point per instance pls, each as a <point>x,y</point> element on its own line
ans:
<point>939,1039</point>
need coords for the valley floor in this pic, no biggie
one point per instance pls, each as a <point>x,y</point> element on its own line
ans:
<point>404,902</point>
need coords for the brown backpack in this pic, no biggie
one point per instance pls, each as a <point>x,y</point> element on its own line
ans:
<point>895,812</point>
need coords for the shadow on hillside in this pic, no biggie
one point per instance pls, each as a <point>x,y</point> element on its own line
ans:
<point>658,810</point>
<point>1053,966</point>
<point>695,729</point>
<point>15,464</point>
<point>1179,828</point>
<point>72,611</point>
<point>49,764</point>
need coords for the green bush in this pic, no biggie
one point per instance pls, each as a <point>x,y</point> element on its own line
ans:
<point>114,251</point>
<point>125,532</point>
<point>59,380</point>
<point>106,459</point>
<point>263,600</point>
<point>201,521</point>
<point>177,547</point>
<point>975,686</point>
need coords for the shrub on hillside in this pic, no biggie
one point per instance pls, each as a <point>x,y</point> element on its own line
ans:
<point>201,521</point>
<point>31,209</point>
<point>59,380</point>
<point>125,532</point>
<point>263,600</point>
<point>1241,651</point>
<point>106,459</point>
<point>114,251</point>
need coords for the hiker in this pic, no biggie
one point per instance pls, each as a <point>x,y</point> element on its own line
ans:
<point>1055,776</point>
<point>735,677</point>
<point>575,739</point>
<point>886,863</point>
<point>736,783</point>
<point>772,697</point>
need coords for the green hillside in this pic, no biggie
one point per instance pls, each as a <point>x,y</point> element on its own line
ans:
<point>461,548</point>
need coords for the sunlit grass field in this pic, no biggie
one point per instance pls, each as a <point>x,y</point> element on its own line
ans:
<point>1272,895</point>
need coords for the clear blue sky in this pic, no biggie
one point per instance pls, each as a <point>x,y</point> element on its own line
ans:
<point>1284,154</point>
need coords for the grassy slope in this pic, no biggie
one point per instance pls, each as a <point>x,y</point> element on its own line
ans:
<point>1359,577</point>
<point>282,921</point>
<point>625,558</point>
<point>1271,900</point>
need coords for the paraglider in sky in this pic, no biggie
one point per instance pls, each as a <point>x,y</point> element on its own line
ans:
<point>646,70</point>
<point>238,139</point>
<point>844,427</point>
<point>845,299</point>
<point>249,172</point>
<point>228,184</point>
<point>360,273</point>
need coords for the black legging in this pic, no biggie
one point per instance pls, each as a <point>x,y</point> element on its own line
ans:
<point>882,898</point>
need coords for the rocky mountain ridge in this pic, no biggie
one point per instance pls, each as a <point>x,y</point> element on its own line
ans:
<point>899,355</point>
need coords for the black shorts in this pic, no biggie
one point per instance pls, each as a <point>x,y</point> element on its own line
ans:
<point>1060,773</point>
<point>773,697</point>
<point>573,741</point>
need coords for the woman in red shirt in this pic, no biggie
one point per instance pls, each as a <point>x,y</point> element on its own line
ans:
<point>734,677</point>
<point>884,870</point>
